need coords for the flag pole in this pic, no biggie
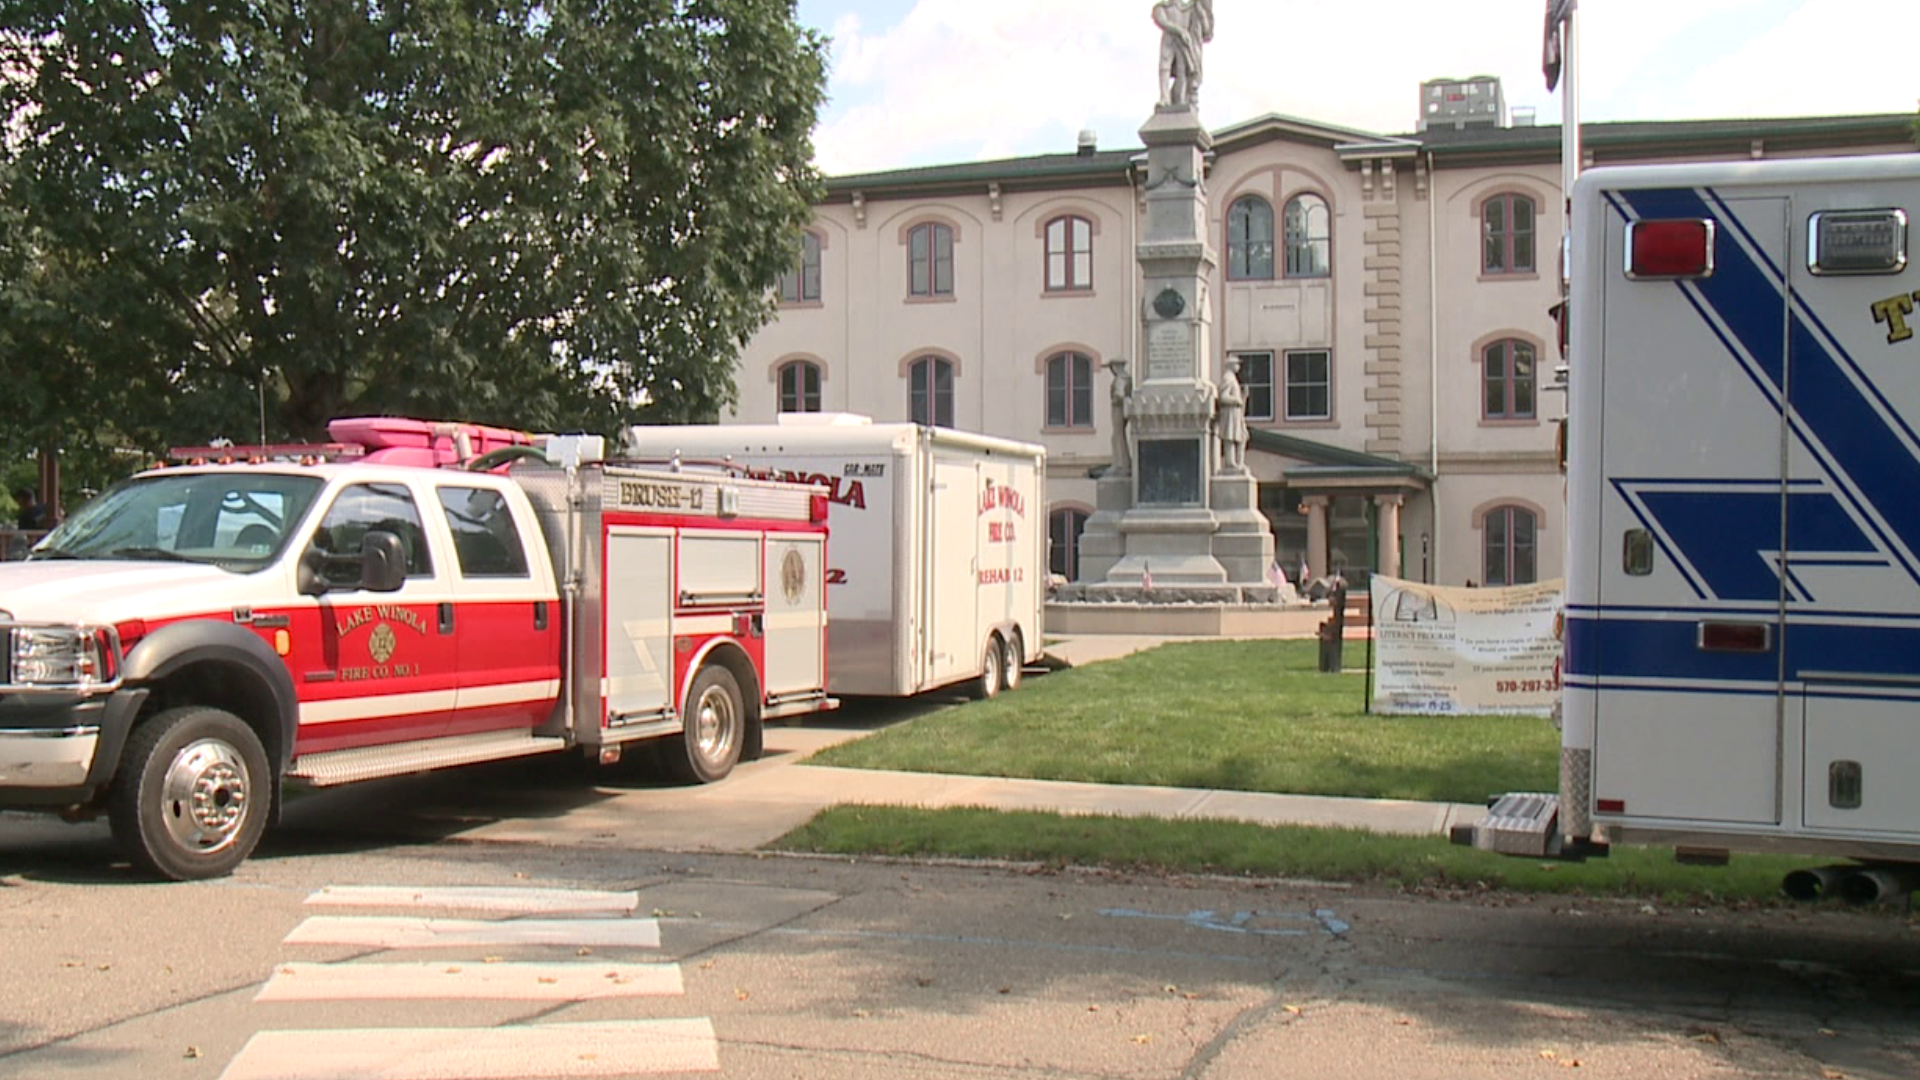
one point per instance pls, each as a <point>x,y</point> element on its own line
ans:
<point>1569,114</point>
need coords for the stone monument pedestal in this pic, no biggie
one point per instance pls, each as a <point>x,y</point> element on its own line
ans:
<point>1178,517</point>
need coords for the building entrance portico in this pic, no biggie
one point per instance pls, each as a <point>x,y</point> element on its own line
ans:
<point>1334,510</point>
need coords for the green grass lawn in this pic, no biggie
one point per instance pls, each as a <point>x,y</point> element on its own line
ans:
<point>1239,848</point>
<point>1233,715</point>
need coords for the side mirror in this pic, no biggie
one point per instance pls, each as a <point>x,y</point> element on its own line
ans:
<point>382,566</point>
<point>383,562</point>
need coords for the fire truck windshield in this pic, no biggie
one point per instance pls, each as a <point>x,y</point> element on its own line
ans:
<point>237,520</point>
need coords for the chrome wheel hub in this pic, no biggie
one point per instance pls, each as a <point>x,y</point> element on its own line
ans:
<point>203,797</point>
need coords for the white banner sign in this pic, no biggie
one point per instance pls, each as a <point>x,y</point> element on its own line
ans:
<point>1444,651</point>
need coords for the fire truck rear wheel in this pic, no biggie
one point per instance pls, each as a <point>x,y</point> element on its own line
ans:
<point>192,795</point>
<point>716,728</point>
<point>993,670</point>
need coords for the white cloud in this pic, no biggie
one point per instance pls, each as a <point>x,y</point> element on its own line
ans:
<point>963,80</point>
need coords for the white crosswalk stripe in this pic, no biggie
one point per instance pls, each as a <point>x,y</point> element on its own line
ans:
<point>533,1051</point>
<point>507,901</point>
<point>406,932</point>
<point>571,1051</point>
<point>470,982</point>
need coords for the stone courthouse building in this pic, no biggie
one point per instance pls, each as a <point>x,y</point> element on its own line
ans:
<point>1388,296</point>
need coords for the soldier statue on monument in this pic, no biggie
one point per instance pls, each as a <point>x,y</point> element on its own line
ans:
<point>1185,25</point>
<point>1230,406</point>
<point>1122,390</point>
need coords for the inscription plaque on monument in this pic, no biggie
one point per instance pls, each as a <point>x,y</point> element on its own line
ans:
<point>1169,472</point>
<point>1169,351</point>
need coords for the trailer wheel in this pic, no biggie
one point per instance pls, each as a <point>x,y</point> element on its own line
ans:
<point>1015,663</point>
<point>993,665</point>
<point>192,795</point>
<point>715,728</point>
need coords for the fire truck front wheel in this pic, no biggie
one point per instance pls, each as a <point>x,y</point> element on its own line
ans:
<point>192,794</point>
<point>716,728</point>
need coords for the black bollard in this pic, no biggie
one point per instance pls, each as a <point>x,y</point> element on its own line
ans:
<point>1333,631</point>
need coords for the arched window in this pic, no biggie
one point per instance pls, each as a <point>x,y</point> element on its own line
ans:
<point>802,283</point>
<point>1064,527</point>
<point>1507,373</point>
<point>1508,544</point>
<point>1069,254</point>
<point>1250,239</point>
<point>931,397</point>
<point>1069,390</point>
<point>1506,229</point>
<point>930,260</point>
<point>799,386</point>
<point>1308,231</point>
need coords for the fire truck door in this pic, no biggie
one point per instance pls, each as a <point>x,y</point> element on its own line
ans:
<point>796,619</point>
<point>638,620</point>
<point>374,668</point>
<point>506,628</point>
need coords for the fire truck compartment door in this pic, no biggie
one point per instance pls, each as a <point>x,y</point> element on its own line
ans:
<point>639,610</point>
<point>796,620</point>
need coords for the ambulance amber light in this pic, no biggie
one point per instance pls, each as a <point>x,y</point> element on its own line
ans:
<point>1680,248</point>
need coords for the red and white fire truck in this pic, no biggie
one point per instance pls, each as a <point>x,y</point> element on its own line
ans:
<point>412,595</point>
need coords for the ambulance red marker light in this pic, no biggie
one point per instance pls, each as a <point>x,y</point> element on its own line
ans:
<point>1667,249</point>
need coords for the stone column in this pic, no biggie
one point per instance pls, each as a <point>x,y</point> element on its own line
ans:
<point>1316,534</point>
<point>1387,522</point>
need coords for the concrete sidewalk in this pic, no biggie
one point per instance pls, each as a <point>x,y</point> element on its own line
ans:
<point>766,799</point>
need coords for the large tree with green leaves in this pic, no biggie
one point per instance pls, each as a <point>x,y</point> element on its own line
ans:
<point>541,213</point>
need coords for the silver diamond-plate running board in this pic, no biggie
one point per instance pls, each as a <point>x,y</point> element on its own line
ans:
<point>1518,824</point>
<point>372,762</point>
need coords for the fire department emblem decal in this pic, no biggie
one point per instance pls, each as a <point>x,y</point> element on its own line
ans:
<point>381,643</point>
<point>793,575</point>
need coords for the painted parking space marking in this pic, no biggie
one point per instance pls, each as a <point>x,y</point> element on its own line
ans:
<point>530,1052</point>
<point>505,901</point>
<point>470,982</point>
<point>407,932</point>
<point>1261,923</point>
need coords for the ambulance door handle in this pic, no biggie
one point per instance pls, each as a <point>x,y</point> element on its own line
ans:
<point>446,618</point>
<point>539,614</point>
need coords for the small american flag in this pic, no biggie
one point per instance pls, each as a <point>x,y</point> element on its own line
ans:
<point>1558,11</point>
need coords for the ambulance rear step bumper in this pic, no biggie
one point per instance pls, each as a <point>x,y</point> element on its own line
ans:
<point>1520,823</point>
<point>373,762</point>
<point>1523,823</point>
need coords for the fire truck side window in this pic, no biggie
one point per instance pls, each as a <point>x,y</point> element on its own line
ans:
<point>484,538</point>
<point>362,508</point>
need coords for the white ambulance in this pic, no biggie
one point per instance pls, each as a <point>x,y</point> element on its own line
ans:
<point>939,560</point>
<point>1742,634</point>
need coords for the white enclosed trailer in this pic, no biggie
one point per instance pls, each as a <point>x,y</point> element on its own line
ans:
<point>936,542</point>
<point>1742,643</point>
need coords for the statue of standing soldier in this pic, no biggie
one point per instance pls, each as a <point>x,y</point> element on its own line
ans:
<point>1122,390</point>
<point>1185,25</point>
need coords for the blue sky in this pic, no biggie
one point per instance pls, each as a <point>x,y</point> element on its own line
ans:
<point>917,82</point>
